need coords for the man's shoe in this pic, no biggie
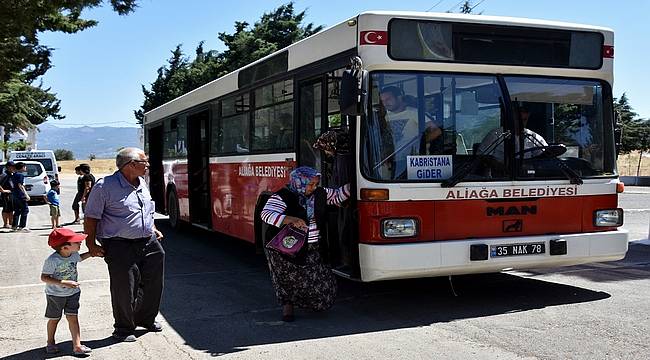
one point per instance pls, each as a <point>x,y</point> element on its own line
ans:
<point>124,337</point>
<point>155,327</point>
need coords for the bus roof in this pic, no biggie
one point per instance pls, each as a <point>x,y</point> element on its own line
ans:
<point>487,19</point>
<point>338,39</point>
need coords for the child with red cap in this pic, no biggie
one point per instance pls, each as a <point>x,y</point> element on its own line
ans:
<point>62,289</point>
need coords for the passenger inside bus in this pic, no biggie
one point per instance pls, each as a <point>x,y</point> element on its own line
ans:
<point>402,121</point>
<point>283,135</point>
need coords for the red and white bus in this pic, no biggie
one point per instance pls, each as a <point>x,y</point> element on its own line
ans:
<point>468,200</point>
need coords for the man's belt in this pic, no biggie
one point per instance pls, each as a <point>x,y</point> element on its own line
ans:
<point>117,238</point>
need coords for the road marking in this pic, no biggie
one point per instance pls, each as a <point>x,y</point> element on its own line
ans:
<point>43,284</point>
<point>106,280</point>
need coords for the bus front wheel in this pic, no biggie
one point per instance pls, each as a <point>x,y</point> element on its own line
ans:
<point>172,210</point>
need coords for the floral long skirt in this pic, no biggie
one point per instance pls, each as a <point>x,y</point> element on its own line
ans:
<point>309,284</point>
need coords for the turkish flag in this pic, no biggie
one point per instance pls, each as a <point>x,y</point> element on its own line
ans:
<point>374,37</point>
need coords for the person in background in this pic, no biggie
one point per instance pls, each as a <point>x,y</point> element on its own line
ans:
<point>20,198</point>
<point>78,195</point>
<point>88,181</point>
<point>119,213</point>
<point>309,282</point>
<point>62,289</point>
<point>53,202</point>
<point>5,195</point>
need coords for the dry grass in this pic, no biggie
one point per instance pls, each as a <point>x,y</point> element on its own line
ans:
<point>98,166</point>
<point>627,164</point>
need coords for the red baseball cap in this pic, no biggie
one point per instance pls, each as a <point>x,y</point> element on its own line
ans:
<point>61,236</point>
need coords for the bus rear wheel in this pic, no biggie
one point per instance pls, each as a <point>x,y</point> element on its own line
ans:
<point>172,210</point>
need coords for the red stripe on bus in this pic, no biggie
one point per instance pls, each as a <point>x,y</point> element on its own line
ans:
<point>465,219</point>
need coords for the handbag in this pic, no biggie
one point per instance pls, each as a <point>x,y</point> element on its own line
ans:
<point>289,241</point>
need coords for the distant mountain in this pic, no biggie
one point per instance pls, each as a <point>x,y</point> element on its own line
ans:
<point>86,140</point>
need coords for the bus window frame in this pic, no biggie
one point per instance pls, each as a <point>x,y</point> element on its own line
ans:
<point>510,163</point>
<point>219,105</point>
<point>607,108</point>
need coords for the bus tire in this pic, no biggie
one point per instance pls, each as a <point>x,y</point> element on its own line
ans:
<point>173,211</point>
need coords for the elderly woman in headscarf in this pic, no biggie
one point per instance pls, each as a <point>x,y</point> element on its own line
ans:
<point>306,282</point>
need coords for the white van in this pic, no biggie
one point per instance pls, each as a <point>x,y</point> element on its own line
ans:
<point>36,180</point>
<point>45,157</point>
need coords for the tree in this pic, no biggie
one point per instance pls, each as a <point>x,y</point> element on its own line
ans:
<point>635,132</point>
<point>63,154</point>
<point>632,128</point>
<point>275,30</point>
<point>6,146</point>
<point>467,7</point>
<point>22,20</point>
<point>22,104</point>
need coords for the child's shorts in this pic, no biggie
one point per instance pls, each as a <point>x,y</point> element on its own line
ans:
<point>55,211</point>
<point>69,305</point>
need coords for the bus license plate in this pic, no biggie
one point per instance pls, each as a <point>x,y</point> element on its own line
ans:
<point>517,249</point>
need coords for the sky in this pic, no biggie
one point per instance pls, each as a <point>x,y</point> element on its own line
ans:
<point>98,72</point>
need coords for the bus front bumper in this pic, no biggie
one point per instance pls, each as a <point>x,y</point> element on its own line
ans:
<point>441,258</point>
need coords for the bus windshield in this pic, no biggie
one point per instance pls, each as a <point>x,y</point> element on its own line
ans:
<point>430,126</point>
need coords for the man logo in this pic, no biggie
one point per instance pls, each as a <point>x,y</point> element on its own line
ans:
<point>512,210</point>
<point>513,225</point>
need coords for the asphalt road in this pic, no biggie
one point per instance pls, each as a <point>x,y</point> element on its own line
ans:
<point>218,301</point>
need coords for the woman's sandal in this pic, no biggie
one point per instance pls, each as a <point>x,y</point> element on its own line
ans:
<point>51,349</point>
<point>83,350</point>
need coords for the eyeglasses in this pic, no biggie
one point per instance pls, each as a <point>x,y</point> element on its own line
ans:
<point>140,161</point>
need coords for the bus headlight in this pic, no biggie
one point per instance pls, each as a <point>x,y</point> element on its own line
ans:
<point>609,217</point>
<point>396,228</point>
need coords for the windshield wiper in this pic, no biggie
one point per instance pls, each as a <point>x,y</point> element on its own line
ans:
<point>396,151</point>
<point>552,151</point>
<point>469,166</point>
<point>573,176</point>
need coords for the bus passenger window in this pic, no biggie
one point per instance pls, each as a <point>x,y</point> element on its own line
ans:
<point>273,117</point>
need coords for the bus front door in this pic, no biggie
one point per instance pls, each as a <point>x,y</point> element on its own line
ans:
<point>318,115</point>
<point>198,161</point>
<point>156,171</point>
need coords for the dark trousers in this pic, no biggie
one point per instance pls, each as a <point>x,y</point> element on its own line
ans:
<point>136,269</point>
<point>20,213</point>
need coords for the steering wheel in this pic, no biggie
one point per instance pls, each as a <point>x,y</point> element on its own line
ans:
<point>548,151</point>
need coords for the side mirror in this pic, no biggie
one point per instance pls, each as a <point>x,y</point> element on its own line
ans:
<point>58,168</point>
<point>352,92</point>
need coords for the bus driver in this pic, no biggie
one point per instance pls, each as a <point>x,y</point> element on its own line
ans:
<point>531,139</point>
